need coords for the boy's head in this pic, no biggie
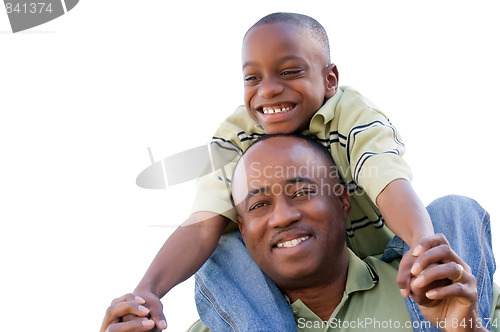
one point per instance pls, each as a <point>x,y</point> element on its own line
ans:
<point>287,71</point>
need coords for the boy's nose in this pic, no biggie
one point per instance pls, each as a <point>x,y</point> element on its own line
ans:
<point>284,213</point>
<point>269,88</point>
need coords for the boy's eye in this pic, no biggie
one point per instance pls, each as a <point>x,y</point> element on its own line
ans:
<point>250,79</point>
<point>291,72</point>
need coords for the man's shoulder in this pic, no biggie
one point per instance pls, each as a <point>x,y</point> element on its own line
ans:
<point>386,273</point>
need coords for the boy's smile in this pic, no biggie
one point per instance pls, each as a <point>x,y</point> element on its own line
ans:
<point>287,77</point>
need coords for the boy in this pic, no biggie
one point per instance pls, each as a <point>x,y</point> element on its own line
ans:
<point>291,86</point>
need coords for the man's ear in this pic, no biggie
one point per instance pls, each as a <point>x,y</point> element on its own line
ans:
<point>239,220</point>
<point>331,80</point>
<point>345,201</point>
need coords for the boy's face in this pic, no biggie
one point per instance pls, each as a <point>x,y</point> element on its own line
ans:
<point>287,77</point>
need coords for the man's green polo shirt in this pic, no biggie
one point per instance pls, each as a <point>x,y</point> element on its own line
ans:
<point>371,302</point>
<point>371,293</point>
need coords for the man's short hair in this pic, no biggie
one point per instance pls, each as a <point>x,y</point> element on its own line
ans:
<point>313,142</point>
<point>304,22</point>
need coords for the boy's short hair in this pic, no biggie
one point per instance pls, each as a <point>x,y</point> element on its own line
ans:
<point>308,24</point>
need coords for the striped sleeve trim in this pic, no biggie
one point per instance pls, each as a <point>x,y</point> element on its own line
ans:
<point>243,136</point>
<point>362,223</point>
<point>335,137</point>
<point>226,144</point>
<point>359,129</point>
<point>367,155</point>
<point>353,187</point>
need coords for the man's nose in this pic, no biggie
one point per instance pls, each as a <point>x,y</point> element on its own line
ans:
<point>284,213</point>
<point>270,87</point>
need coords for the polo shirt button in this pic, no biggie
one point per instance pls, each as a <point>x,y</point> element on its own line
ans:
<point>295,312</point>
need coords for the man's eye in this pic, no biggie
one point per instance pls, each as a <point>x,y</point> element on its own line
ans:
<point>304,192</point>
<point>256,206</point>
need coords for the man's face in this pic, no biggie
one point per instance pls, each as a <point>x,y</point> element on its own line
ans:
<point>286,77</point>
<point>291,215</point>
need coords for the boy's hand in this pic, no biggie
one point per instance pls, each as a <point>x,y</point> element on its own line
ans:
<point>404,273</point>
<point>153,303</point>
<point>127,305</point>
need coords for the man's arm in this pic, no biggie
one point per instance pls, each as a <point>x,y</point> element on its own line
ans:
<point>184,252</point>
<point>407,217</point>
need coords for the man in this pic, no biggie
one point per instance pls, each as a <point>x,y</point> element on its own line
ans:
<point>292,210</point>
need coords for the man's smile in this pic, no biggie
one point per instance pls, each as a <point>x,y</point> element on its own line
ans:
<point>290,238</point>
<point>292,243</point>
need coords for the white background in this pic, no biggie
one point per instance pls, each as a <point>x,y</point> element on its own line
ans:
<point>83,96</point>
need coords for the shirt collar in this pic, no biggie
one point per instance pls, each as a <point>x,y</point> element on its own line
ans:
<point>360,277</point>
<point>327,111</point>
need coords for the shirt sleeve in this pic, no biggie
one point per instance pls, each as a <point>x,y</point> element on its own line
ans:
<point>213,191</point>
<point>374,147</point>
<point>198,326</point>
<point>495,309</point>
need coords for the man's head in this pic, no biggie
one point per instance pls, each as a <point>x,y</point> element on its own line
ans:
<point>287,71</point>
<point>292,210</point>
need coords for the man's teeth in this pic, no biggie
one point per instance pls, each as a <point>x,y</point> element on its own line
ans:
<point>292,243</point>
<point>272,110</point>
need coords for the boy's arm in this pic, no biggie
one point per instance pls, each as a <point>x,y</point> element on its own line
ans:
<point>184,252</point>
<point>404,213</point>
<point>407,217</point>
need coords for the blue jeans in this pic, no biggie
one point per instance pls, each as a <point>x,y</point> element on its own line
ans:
<point>233,294</point>
<point>466,226</point>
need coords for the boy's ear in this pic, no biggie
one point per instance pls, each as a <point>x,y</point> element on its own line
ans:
<point>331,80</point>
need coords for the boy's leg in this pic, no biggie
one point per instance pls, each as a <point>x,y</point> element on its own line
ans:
<point>233,294</point>
<point>466,226</point>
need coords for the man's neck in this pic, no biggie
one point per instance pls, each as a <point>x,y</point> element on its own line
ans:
<point>322,299</point>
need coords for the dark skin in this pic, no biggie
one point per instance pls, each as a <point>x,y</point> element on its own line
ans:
<point>202,228</point>
<point>270,217</point>
<point>287,79</point>
<point>303,269</point>
<point>284,68</point>
<point>287,208</point>
<point>127,305</point>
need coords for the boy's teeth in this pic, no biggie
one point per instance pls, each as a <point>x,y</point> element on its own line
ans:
<point>292,243</point>
<point>270,110</point>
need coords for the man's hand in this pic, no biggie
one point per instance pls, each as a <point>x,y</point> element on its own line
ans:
<point>129,304</point>
<point>155,307</point>
<point>444,287</point>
